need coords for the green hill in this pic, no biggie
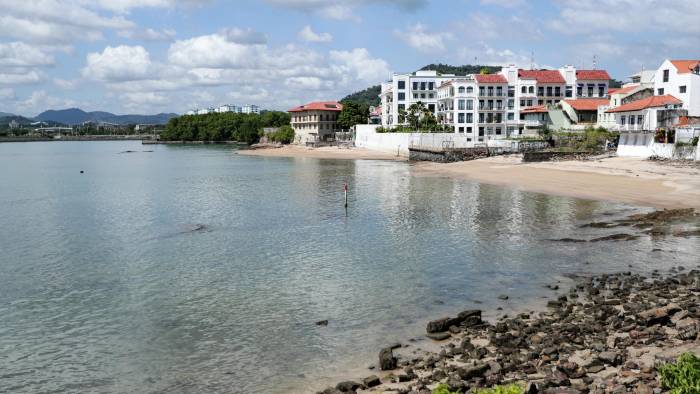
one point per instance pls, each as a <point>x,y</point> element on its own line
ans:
<point>461,70</point>
<point>369,96</point>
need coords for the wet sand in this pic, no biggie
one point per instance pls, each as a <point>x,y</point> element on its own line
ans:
<point>329,152</point>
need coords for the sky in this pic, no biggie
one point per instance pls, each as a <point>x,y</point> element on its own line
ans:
<point>151,56</point>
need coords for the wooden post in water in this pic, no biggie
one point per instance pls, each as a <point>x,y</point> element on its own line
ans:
<point>345,189</point>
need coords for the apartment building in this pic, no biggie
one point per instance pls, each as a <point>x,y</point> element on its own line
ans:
<point>315,122</point>
<point>681,79</point>
<point>407,89</point>
<point>497,99</point>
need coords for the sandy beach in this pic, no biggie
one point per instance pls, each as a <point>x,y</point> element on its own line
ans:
<point>328,152</point>
<point>629,180</point>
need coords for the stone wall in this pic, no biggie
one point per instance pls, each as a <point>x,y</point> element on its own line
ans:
<point>448,155</point>
<point>531,157</point>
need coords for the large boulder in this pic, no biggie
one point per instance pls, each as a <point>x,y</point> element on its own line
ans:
<point>466,318</point>
<point>387,361</point>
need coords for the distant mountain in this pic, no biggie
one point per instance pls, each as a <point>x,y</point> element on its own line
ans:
<point>74,116</point>
<point>4,114</point>
<point>5,120</point>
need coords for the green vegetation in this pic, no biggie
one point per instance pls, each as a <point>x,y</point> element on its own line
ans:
<point>284,135</point>
<point>692,142</point>
<point>614,83</point>
<point>368,97</point>
<point>683,377</point>
<point>420,120</point>
<point>225,126</point>
<point>509,389</point>
<point>352,114</point>
<point>590,140</point>
<point>442,388</point>
<point>461,70</point>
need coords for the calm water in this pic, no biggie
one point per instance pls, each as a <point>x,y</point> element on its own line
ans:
<point>194,269</point>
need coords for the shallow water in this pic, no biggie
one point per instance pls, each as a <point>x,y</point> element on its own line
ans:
<point>193,269</point>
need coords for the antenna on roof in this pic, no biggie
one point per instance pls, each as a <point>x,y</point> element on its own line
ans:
<point>595,62</point>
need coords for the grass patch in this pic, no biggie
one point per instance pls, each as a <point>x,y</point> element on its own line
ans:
<point>507,389</point>
<point>683,376</point>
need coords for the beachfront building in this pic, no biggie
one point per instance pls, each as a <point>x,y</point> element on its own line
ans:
<point>315,122</point>
<point>407,89</point>
<point>649,114</point>
<point>681,79</point>
<point>519,89</point>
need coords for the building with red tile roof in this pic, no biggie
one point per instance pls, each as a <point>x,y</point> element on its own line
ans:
<point>686,66</point>
<point>592,75</point>
<point>542,76</point>
<point>315,122</point>
<point>649,102</point>
<point>680,78</point>
<point>490,78</point>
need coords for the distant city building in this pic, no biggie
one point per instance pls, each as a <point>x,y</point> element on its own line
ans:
<point>315,122</point>
<point>14,124</point>
<point>246,109</point>
<point>251,109</point>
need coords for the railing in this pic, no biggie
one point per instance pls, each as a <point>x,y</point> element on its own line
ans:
<point>628,127</point>
<point>533,123</point>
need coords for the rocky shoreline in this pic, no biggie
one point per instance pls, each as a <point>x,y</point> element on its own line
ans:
<point>608,334</point>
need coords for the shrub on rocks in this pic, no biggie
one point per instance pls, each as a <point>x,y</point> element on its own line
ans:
<point>683,377</point>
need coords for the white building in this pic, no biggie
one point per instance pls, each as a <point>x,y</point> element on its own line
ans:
<point>648,114</point>
<point>315,122</point>
<point>681,79</point>
<point>519,89</point>
<point>228,108</point>
<point>250,109</point>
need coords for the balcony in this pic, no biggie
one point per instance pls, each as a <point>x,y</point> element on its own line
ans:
<point>533,123</point>
<point>628,127</point>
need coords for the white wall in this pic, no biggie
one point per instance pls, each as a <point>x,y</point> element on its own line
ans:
<point>642,145</point>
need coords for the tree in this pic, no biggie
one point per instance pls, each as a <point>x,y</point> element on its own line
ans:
<point>484,71</point>
<point>368,97</point>
<point>283,135</point>
<point>352,114</point>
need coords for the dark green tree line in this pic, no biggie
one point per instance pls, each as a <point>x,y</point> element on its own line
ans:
<point>227,126</point>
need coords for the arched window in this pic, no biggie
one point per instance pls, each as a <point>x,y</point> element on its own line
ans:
<point>524,89</point>
<point>531,89</point>
<point>470,89</point>
<point>460,89</point>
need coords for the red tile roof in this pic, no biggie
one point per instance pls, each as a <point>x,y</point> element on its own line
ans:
<point>587,104</point>
<point>592,75</point>
<point>649,102</point>
<point>534,109</point>
<point>684,66</point>
<point>490,78</point>
<point>542,76</point>
<point>623,90</point>
<point>319,106</point>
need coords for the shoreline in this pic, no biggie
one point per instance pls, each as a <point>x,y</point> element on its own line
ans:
<point>634,181</point>
<point>639,319</point>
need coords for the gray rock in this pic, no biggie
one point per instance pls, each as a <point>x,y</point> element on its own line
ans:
<point>348,386</point>
<point>438,336</point>
<point>387,361</point>
<point>371,381</point>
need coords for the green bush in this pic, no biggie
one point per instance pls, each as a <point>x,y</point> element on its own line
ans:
<point>283,135</point>
<point>683,377</point>
<point>442,388</point>
<point>509,389</point>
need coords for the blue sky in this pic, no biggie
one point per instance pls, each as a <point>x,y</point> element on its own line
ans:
<point>147,56</point>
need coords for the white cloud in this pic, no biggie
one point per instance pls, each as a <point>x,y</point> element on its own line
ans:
<point>213,51</point>
<point>484,54</point>
<point>505,3</point>
<point>244,36</point>
<point>67,84</point>
<point>18,54</point>
<point>20,76</point>
<point>359,64</point>
<point>148,34</point>
<point>122,63</point>
<point>422,40</point>
<point>39,101</point>
<point>309,35</point>
<point>343,9</point>
<point>7,94</point>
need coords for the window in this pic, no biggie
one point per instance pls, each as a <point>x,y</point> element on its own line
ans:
<point>415,85</point>
<point>470,104</point>
<point>557,91</point>
<point>489,130</point>
<point>511,91</point>
<point>431,108</point>
<point>490,89</point>
<point>660,92</point>
<point>460,118</point>
<point>460,105</point>
<point>469,130</point>
<point>511,103</point>
<point>422,86</point>
<point>631,120</point>
<point>590,89</point>
<point>601,90</point>
<point>579,90</point>
<point>540,91</point>
<point>569,90</point>
<point>422,95</point>
<point>461,129</point>
<point>402,84</point>
<point>481,133</point>
<point>481,117</point>
<point>522,103</point>
<point>523,90</point>
<point>482,91</point>
<point>460,89</point>
<point>549,91</point>
<point>415,95</point>
<point>665,75</point>
<point>499,91</point>
<point>529,103</point>
<point>498,131</point>
<point>640,119</point>
<point>511,116</point>
<point>402,96</point>
<point>470,119</point>
<point>681,89</point>
<point>431,95</point>
<point>531,90</point>
<point>431,85</point>
<point>470,89</point>
<point>622,120</point>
